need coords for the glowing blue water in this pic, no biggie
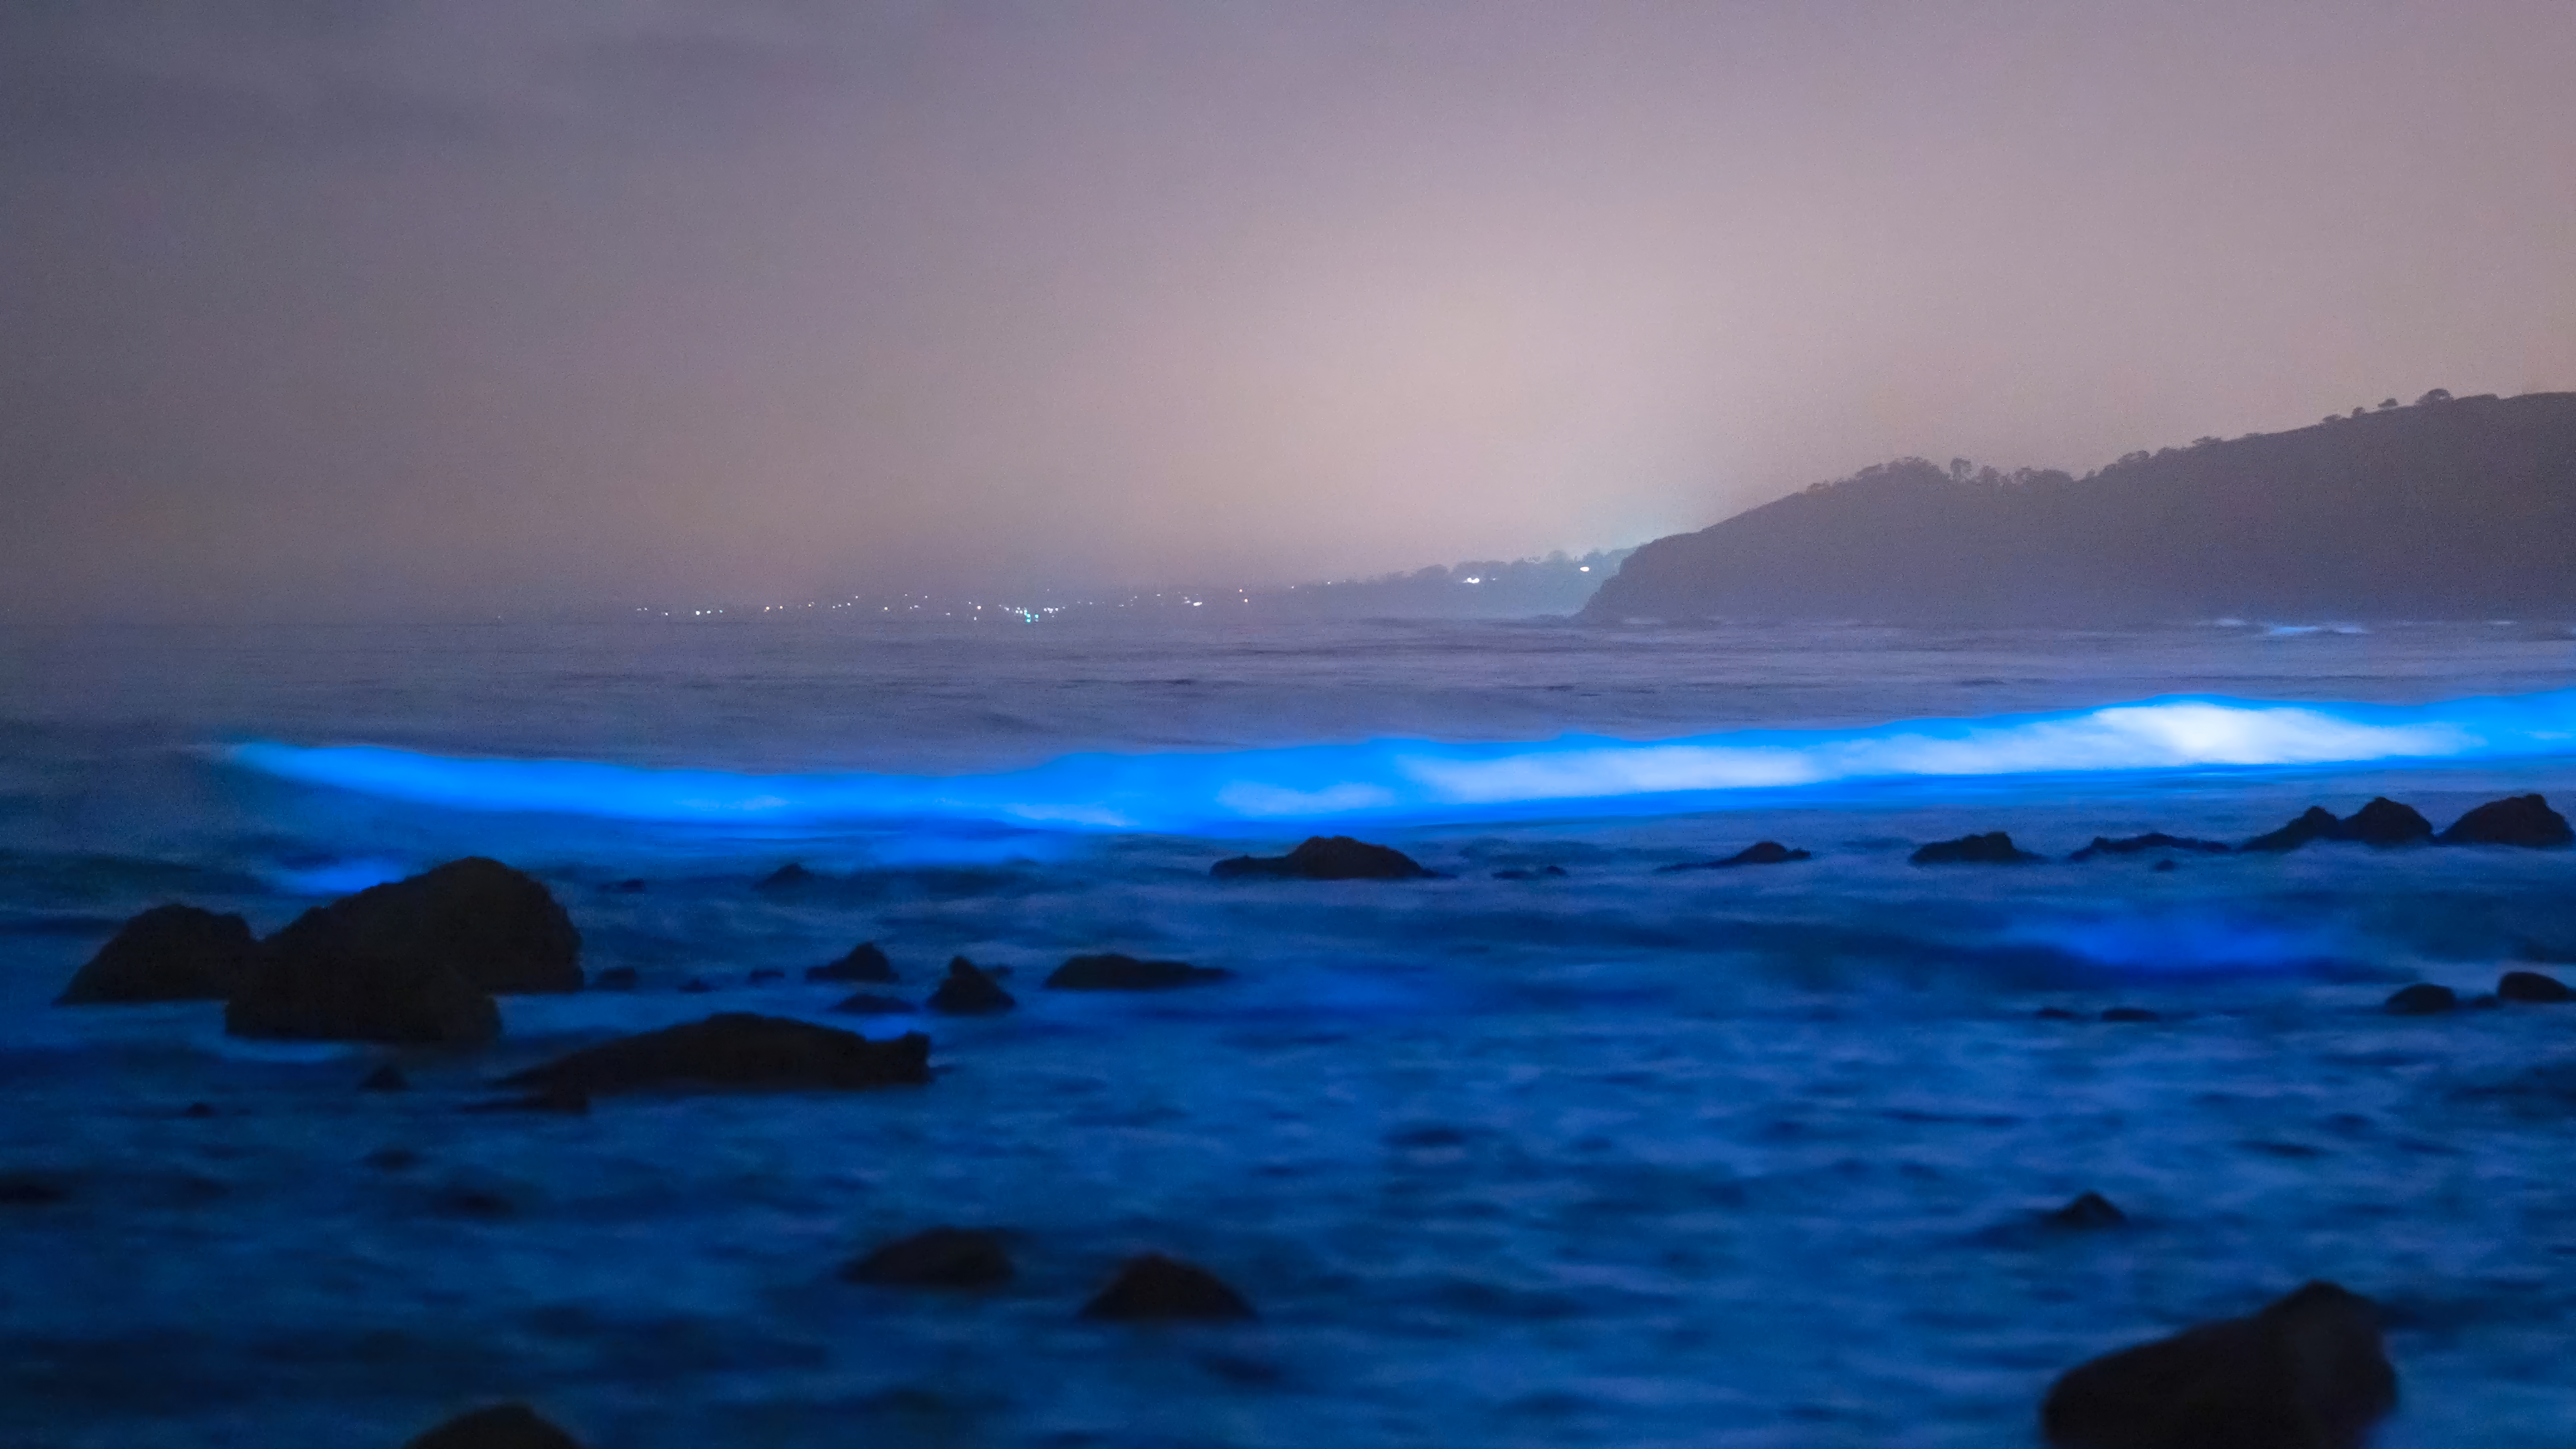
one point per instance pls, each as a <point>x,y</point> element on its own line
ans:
<point>1422,781</point>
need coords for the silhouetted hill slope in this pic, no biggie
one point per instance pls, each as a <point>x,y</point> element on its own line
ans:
<point>2455,508</point>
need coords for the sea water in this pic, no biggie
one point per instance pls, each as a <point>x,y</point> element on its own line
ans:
<point>1749,1157</point>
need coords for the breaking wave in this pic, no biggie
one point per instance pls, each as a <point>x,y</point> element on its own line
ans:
<point>1429,781</point>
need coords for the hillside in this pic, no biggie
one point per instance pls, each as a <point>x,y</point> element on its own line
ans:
<point>2454,508</point>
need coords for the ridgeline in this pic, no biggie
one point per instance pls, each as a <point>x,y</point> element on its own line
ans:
<point>2454,508</point>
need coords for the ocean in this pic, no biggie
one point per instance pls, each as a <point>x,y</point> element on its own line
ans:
<point>1750,1157</point>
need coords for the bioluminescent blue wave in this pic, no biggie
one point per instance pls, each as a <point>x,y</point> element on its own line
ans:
<point>1422,780</point>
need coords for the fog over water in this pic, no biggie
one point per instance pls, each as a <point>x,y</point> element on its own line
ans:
<point>466,308</point>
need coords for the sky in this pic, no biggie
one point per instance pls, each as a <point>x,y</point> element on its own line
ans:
<point>447,306</point>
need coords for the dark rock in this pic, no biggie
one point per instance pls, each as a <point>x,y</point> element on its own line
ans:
<point>25,1189</point>
<point>410,961</point>
<point>864,963</point>
<point>2057,1013</point>
<point>1760,852</point>
<point>628,886</point>
<point>392,1159</point>
<point>766,974</point>
<point>569,1100</point>
<point>736,1050</point>
<point>2090,1211</point>
<point>503,1426</point>
<point>2424,998</point>
<point>1110,971</point>
<point>1325,857</point>
<point>2383,823</point>
<point>968,991</point>
<point>1544,872</point>
<point>2130,1013</point>
<point>472,1202</point>
<point>168,953</point>
<point>2524,820</point>
<point>791,876</point>
<point>1992,848</point>
<point>2484,1001</point>
<point>2305,1373</point>
<point>386,1078</point>
<point>2316,823</point>
<point>197,1111</point>
<point>697,986</point>
<point>1153,1286</point>
<point>936,1258</point>
<point>868,1004</point>
<point>615,978</point>
<point>2163,866</point>
<point>320,986</point>
<point>2533,988</point>
<point>2153,840</point>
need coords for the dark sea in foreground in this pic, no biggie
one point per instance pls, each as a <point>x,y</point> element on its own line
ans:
<point>1749,1157</point>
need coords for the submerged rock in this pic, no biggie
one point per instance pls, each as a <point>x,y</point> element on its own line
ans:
<point>2090,1211</point>
<point>1325,857</point>
<point>2533,988</point>
<point>615,978</point>
<point>2152,840</point>
<point>25,1189</point>
<point>1110,971</point>
<point>697,986</point>
<point>1544,872</point>
<point>503,1426</point>
<point>571,1101</point>
<point>935,1258</point>
<point>1153,1286</point>
<point>1993,848</point>
<point>385,1078</point>
<point>2524,820</point>
<point>168,953</point>
<point>970,991</point>
<point>736,1050</point>
<point>2306,1372</point>
<point>2424,998</point>
<point>2130,1013</point>
<point>1761,852</point>
<point>791,876</point>
<point>865,1003</point>
<point>2383,823</point>
<point>865,962</point>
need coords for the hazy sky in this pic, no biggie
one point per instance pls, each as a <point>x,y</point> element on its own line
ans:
<point>337,307</point>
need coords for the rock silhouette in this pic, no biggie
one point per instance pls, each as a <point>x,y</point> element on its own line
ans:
<point>935,1258</point>
<point>1153,1286</point>
<point>503,1426</point>
<point>1325,857</point>
<point>791,876</point>
<point>2153,840</point>
<point>865,962</point>
<point>168,953</point>
<point>410,961</point>
<point>1761,852</point>
<point>2524,820</point>
<point>1544,872</point>
<point>2087,1212</point>
<point>1993,848</point>
<point>868,1003</point>
<point>2424,998</point>
<point>736,1050</point>
<point>970,991</point>
<point>2533,988</point>
<point>2306,1372</point>
<point>2383,823</point>
<point>1110,971</point>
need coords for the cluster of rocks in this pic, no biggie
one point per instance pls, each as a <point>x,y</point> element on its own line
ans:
<point>2524,821</point>
<point>2529,988</point>
<point>1147,1287</point>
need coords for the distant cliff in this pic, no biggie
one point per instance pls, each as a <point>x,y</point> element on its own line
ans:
<point>2454,508</point>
